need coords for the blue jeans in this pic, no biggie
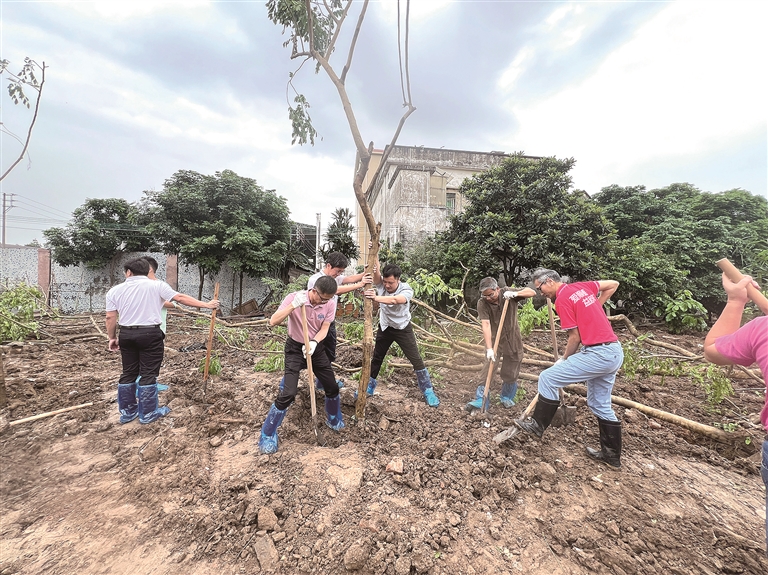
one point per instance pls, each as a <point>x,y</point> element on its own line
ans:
<point>764,475</point>
<point>597,365</point>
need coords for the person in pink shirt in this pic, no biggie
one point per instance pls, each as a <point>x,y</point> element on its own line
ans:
<point>728,342</point>
<point>320,306</point>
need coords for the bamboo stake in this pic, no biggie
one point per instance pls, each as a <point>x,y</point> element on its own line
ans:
<point>210,341</point>
<point>49,413</point>
<point>310,376</point>
<point>700,428</point>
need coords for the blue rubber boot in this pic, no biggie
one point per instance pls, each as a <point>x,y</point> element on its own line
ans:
<point>477,403</point>
<point>372,383</point>
<point>319,386</point>
<point>508,393</point>
<point>127,402</point>
<point>333,409</point>
<point>268,439</point>
<point>160,386</point>
<point>281,387</point>
<point>148,408</point>
<point>425,385</point>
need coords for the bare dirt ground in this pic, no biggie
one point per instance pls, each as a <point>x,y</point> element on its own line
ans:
<point>190,494</point>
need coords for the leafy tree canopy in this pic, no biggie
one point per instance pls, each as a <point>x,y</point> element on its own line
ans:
<point>100,229</point>
<point>521,215</point>
<point>209,220</point>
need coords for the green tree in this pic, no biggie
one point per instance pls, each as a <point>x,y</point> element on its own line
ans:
<point>209,220</point>
<point>521,215</point>
<point>100,231</point>
<point>339,235</point>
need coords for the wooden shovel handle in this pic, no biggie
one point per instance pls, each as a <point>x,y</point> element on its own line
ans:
<point>491,366</point>
<point>310,375</point>
<point>733,274</point>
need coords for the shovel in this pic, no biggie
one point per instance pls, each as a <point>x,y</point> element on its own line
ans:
<point>318,434</point>
<point>510,432</point>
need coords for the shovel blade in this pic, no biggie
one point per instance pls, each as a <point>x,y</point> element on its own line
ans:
<point>507,434</point>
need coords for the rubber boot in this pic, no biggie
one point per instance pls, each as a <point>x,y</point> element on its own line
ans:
<point>160,386</point>
<point>425,385</point>
<point>477,403</point>
<point>610,443</point>
<point>372,383</point>
<point>268,439</point>
<point>281,387</point>
<point>148,408</point>
<point>508,393</point>
<point>542,416</point>
<point>333,409</point>
<point>127,402</point>
<point>319,386</point>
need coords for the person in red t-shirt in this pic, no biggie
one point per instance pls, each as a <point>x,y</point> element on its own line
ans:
<point>593,354</point>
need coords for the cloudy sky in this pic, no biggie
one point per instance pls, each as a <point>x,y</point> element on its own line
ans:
<point>639,93</point>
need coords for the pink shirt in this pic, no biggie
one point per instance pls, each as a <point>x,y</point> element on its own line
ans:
<point>748,345</point>
<point>578,306</point>
<point>316,316</point>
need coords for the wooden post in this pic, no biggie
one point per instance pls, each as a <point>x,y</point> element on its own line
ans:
<point>492,364</point>
<point>735,276</point>
<point>210,341</point>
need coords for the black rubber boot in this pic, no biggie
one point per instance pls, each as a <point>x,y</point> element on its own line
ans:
<point>610,443</point>
<point>542,416</point>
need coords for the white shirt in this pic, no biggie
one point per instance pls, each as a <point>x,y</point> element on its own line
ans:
<point>138,300</point>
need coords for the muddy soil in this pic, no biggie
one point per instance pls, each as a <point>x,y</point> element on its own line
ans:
<point>413,489</point>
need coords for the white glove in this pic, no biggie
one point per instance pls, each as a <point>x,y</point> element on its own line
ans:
<point>510,294</point>
<point>312,346</point>
<point>299,299</point>
<point>560,360</point>
<point>490,355</point>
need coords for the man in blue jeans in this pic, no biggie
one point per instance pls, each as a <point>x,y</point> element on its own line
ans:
<point>593,354</point>
<point>729,342</point>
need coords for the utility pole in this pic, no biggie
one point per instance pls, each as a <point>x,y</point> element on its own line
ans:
<point>317,244</point>
<point>6,197</point>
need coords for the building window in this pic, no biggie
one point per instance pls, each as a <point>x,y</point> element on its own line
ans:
<point>450,202</point>
<point>437,190</point>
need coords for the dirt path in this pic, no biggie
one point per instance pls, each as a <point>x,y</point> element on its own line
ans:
<point>80,493</point>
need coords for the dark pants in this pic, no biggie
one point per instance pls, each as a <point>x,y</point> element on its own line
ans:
<point>295,362</point>
<point>404,338</point>
<point>142,353</point>
<point>330,343</point>
<point>510,365</point>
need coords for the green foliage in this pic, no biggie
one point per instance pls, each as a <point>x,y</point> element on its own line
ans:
<point>209,220</point>
<point>714,382</point>
<point>280,290</point>
<point>18,305</point>
<point>214,367</point>
<point>233,336</point>
<point>26,77</point>
<point>521,215</point>
<point>683,313</point>
<point>100,229</point>
<point>528,317</point>
<point>301,122</point>
<point>274,361</point>
<point>339,236</point>
<point>430,287</point>
<point>681,232</point>
<point>353,330</point>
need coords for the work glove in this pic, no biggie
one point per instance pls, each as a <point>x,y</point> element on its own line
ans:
<point>312,346</point>
<point>490,355</point>
<point>509,294</point>
<point>299,299</point>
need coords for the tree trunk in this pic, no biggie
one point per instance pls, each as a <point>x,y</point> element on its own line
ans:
<point>202,283</point>
<point>240,304</point>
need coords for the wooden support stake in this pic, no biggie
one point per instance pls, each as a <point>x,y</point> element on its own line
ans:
<point>735,276</point>
<point>492,364</point>
<point>210,341</point>
<point>49,414</point>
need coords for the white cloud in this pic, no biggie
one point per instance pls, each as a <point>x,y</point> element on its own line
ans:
<point>690,80</point>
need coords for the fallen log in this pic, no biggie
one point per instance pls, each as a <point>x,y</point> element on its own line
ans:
<point>700,428</point>
<point>49,414</point>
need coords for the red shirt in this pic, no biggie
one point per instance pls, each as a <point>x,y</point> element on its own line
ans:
<point>578,306</point>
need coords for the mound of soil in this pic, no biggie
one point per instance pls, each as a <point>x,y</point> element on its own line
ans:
<point>412,489</point>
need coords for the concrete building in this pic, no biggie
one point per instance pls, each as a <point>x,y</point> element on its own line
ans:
<point>418,190</point>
